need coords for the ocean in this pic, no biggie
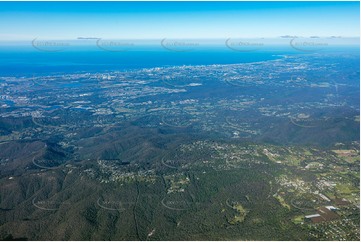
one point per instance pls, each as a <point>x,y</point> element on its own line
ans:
<point>25,61</point>
<point>28,61</point>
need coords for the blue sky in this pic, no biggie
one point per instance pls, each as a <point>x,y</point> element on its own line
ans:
<point>154,20</point>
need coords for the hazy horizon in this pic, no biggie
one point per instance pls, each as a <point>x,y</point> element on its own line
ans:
<point>177,20</point>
